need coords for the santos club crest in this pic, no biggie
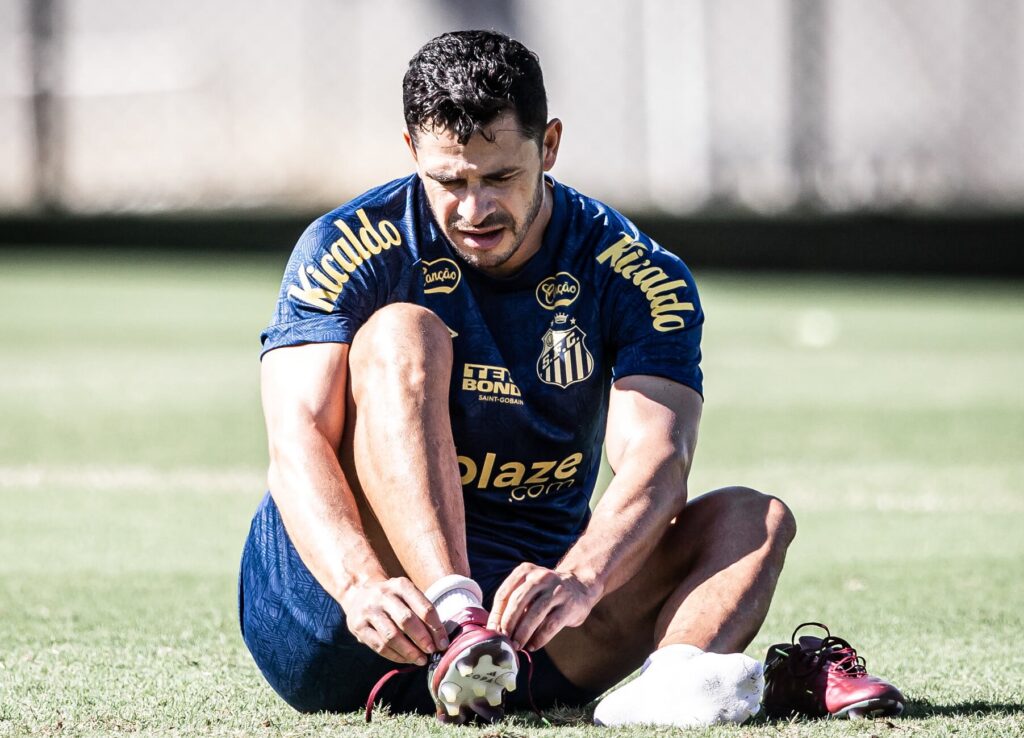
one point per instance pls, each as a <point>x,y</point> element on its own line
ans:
<point>564,360</point>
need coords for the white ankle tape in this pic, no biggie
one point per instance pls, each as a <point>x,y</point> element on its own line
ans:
<point>453,581</point>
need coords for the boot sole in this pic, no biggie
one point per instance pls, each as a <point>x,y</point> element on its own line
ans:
<point>869,709</point>
<point>474,685</point>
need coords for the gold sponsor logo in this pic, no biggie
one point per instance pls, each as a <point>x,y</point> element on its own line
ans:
<point>441,275</point>
<point>560,290</point>
<point>627,258</point>
<point>491,383</point>
<point>345,255</point>
<point>523,482</point>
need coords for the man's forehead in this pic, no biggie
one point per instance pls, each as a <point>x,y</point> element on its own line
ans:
<point>503,132</point>
<point>499,144</point>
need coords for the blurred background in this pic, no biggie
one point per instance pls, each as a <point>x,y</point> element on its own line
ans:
<point>844,177</point>
<point>747,129</point>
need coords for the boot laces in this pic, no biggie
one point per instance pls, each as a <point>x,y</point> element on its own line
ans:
<point>832,650</point>
<point>843,657</point>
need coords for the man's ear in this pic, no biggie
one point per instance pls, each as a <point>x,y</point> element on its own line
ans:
<point>410,143</point>
<point>549,146</point>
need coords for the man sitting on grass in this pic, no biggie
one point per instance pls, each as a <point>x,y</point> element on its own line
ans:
<point>449,352</point>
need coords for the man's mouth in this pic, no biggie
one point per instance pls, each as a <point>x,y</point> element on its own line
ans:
<point>482,240</point>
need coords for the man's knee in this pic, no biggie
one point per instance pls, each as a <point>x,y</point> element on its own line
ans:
<point>739,508</point>
<point>778,520</point>
<point>402,343</point>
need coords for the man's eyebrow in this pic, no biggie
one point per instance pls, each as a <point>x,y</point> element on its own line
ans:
<point>500,173</point>
<point>444,177</point>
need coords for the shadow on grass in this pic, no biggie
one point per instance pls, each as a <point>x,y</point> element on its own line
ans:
<point>923,710</point>
<point>919,710</point>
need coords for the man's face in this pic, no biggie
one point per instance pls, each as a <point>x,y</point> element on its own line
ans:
<point>487,195</point>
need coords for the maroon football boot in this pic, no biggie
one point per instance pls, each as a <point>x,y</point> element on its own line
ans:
<point>469,680</point>
<point>818,677</point>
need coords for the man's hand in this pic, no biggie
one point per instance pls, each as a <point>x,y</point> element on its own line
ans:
<point>534,603</point>
<point>392,617</point>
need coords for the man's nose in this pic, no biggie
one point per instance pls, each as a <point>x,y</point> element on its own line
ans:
<point>475,205</point>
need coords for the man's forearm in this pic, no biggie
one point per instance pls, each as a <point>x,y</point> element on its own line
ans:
<point>320,513</point>
<point>628,522</point>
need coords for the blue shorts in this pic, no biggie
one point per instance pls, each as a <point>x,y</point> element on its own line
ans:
<point>298,637</point>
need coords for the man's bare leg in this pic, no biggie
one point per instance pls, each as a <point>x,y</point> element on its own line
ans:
<point>708,584</point>
<point>398,441</point>
<point>722,610</point>
<point>399,448</point>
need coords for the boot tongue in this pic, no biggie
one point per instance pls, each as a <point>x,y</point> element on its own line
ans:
<point>809,643</point>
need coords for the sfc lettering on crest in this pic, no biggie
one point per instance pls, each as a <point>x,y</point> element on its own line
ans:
<point>561,290</point>
<point>441,276</point>
<point>627,258</point>
<point>564,359</point>
<point>345,255</point>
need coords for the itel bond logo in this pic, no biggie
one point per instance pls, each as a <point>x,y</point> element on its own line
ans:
<point>491,383</point>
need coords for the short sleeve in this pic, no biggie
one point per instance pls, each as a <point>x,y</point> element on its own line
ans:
<point>343,268</point>
<point>655,313</point>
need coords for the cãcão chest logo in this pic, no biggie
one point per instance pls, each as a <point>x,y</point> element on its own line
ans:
<point>441,275</point>
<point>627,258</point>
<point>558,291</point>
<point>344,257</point>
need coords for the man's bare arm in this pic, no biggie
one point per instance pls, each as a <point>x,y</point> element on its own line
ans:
<point>304,392</point>
<point>652,433</point>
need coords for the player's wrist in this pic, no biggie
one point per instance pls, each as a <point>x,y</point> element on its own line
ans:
<point>589,579</point>
<point>351,582</point>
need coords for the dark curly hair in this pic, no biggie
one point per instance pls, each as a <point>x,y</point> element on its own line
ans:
<point>462,81</point>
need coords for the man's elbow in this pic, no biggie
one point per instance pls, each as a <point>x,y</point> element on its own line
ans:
<point>673,471</point>
<point>678,469</point>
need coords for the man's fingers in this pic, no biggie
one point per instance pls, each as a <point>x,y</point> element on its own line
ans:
<point>515,607</point>
<point>535,614</point>
<point>547,630</point>
<point>409,624</point>
<point>392,655</point>
<point>512,581</point>
<point>393,638</point>
<point>437,636</point>
<point>536,583</point>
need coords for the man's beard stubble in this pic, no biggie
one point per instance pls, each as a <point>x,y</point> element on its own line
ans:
<point>498,219</point>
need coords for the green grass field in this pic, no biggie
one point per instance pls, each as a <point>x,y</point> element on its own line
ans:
<point>889,413</point>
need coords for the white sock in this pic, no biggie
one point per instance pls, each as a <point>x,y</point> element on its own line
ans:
<point>685,687</point>
<point>453,593</point>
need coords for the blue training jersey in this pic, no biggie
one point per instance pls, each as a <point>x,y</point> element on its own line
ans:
<point>534,354</point>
